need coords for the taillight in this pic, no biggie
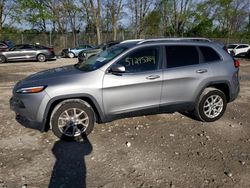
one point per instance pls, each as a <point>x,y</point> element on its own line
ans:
<point>236,63</point>
<point>51,49</point>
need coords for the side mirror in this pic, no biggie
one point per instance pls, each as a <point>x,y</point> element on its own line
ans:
<point>117,68</point>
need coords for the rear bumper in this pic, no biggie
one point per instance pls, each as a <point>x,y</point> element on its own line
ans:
<point>234,94</point>
<point>51,56</point>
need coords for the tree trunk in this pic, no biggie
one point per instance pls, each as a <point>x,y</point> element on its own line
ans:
<point>114,31</point>
<point>1,15</point>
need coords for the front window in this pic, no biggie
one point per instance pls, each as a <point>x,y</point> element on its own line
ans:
<point>141,60</point>
<point>101,59</point>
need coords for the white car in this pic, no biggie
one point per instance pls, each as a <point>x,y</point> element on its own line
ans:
<point>238,49</point>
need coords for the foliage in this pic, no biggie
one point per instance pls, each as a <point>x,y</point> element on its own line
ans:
<point>206,18</point>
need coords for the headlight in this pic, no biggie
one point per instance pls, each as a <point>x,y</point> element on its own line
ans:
<point>31,89</point>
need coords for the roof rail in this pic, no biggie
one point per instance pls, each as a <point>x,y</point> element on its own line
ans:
<point>131,40</point>
<point>175,39</point>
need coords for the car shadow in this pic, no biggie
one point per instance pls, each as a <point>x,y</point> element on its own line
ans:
<point>70,168</point>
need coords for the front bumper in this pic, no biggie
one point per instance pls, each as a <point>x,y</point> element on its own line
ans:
<point>30,109</point>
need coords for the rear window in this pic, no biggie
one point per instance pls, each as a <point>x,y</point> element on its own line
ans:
<point>232,46</point>
<point>209,54</point>
<point>178,56</point>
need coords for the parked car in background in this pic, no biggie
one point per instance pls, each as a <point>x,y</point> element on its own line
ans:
<point>238,49</point>
<point>5,45</point>
<point>85,54</point>
<point>73,52</point>
<point>27,52</point>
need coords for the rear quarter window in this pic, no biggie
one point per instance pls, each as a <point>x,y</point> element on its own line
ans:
<point>209,54</point>
<point>179,56</point>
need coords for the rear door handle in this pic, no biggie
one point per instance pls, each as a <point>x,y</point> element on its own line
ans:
<point>152,77</point>
<point>201,71</point>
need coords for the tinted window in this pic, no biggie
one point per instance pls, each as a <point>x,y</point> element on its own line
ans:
<point>232,46</point>
<point>26,47</point>
<point>141,60</point>
<point>209,54</point>
<point>178,56</point>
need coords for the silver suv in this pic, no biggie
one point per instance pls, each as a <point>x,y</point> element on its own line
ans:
<point>130,79</point>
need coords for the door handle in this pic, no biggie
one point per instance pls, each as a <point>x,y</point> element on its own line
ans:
<point>201,71</point>
<point>152,77</point>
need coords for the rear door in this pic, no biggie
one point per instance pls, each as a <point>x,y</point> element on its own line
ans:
<point>139,88</point>
<point>182,76</point>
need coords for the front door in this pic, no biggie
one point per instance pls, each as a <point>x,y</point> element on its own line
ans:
<point>139,88</point>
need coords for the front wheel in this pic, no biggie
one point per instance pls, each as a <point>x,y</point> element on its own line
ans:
<point>211,105</point>
<point>72,119</point>
<point>71,55</point>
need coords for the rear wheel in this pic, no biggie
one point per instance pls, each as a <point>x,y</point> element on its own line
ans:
<point>72,119</point>
<point>211,105</point>
<point>41,58</point>
<point>2,59</point>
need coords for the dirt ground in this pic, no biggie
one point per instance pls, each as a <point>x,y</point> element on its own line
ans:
<point>168,150</point>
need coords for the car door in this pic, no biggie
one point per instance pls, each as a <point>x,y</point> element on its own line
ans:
<point>182,76</point>
<point>139,88</point>
<point>21,52</point>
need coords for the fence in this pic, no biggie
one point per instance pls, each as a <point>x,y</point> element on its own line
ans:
<point>60,41</point>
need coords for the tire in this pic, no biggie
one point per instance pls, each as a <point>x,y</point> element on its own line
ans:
<point>2,59</point>
<point>71,55</point>
<point>41,58</point>
<point>72,119</point>
<point>211,105</point>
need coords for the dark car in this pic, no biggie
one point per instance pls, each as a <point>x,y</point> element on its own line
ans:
<point>27,52</point>
<point>85,54</point>
<point>5,45</point>
<point>73,52</point>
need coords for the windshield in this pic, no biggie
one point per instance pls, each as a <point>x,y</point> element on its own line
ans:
<point>101,59</point>
<point>232,46</point>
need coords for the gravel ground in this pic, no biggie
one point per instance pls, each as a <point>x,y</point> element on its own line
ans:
<point>167,150</point>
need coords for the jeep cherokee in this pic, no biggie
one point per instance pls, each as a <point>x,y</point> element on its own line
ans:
<point>130,79</point>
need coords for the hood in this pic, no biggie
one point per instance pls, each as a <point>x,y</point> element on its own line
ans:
<point>52,73</point>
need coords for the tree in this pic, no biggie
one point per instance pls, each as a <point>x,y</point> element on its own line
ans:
<point>114,8</point>
<point>6,8</point>
<point>73,16</point>
<point>96,13</point>
<point>228,17</point>
<point>139,10</point>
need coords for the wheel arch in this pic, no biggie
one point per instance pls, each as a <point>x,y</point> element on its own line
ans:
<point>223,85</point>
<point>55,101</point>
